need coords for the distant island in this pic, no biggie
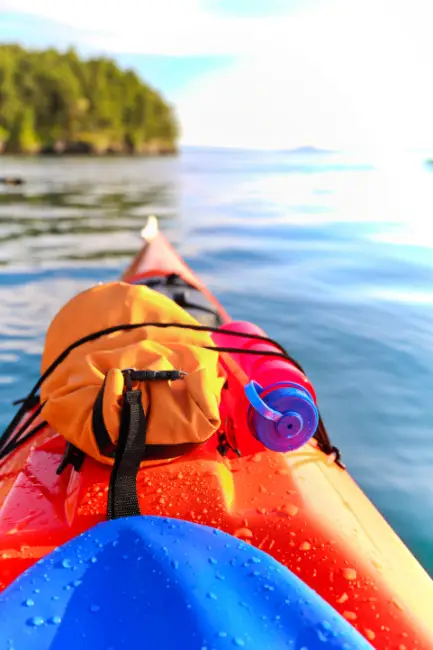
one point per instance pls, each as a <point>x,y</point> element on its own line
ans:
<point>309,150</point>
<point>52,102</point>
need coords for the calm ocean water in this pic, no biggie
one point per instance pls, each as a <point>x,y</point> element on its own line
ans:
<point>331,254</point>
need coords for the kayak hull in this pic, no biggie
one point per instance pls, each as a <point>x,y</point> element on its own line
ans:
<point>300,507</point>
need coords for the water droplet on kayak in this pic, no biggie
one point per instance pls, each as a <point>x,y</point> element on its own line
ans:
<point>351,616</point>
<point>66,563</point>
<point>305,546</point>
<point>343,598</point>
<point>325,631</point>
<point>323,637</point>
<point>212,596</point>
<point>262,511</point>
<point>175,564</point>
<point>36,591</point>
<point>237,641</point>
<point>212,560</point>
<point>243,604</point>
<point>257,458</point>
<point>55,620</point>
<point>243,533</point>
<point>93,560</point>
<point>217,531</point>
<point>29,602</point>
<point>396,604</point>
<point>77,583</point>
<point>218,576</point>
<point>289,509</point>
<point>222,635</point>
<point>94,608</point>
<point>268,588</point>
<point>349,574</point>
<point>369,634</point>
<point>36,621</point>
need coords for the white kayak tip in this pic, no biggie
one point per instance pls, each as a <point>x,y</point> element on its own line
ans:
<point>150,230</point>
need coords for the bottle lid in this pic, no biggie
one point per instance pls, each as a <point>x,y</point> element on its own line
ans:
<point>283,416</point>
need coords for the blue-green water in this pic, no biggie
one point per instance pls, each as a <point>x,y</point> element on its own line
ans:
<point>331,254</point>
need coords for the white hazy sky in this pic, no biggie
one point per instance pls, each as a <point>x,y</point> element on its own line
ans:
<point>331,73</point>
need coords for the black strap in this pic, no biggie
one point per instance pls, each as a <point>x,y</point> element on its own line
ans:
<point>103,440</point>
<point>20,436</point>
<point>131,444</point>
<point>224,445</point>
<point>72,456</point>
<point>122,491</point>
<point>106,446</point>
<point>180,291</point>
<point>182,298</point>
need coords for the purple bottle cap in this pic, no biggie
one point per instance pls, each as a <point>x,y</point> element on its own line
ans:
<point>283,416</point>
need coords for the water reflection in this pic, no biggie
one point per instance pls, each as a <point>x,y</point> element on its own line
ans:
<point>72,211</point>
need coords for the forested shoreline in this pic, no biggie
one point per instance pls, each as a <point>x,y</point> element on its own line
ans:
<point>53,102</point>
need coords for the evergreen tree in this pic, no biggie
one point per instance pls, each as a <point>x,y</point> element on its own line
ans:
<point>48,97</point>
<point>22,137</point>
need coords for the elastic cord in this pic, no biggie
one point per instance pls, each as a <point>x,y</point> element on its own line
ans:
<point>9,441</point>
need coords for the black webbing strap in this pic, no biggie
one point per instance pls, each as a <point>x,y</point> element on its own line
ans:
<point>180,291</point>
<point>131,444</point>
<point>122,491</point>
<point>72,456</point>
<point>102,437</point>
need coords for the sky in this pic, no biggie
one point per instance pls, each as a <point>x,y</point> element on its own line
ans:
<point>339,74</point>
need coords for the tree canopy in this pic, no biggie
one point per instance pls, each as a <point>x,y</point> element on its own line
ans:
<point>57,101</point>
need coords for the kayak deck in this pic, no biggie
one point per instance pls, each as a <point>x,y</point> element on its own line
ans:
<point>299,507</point>
<point>158,257</point>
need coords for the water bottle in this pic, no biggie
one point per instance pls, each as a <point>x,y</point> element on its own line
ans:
<point>280,406</point>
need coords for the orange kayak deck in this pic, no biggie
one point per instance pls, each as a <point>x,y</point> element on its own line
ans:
<point>299,507</point>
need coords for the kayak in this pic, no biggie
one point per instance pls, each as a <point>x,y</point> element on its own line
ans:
<point>300,510</point>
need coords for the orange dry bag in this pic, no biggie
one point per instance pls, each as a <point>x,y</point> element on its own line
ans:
<point>126,379</point>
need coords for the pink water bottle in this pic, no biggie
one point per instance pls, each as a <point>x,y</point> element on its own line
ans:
<point>281,408</point>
